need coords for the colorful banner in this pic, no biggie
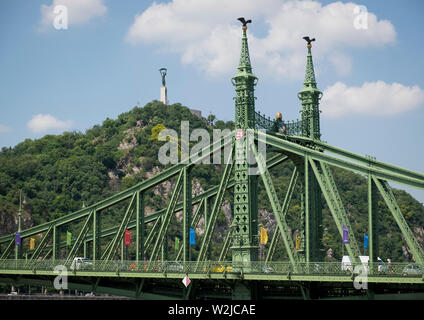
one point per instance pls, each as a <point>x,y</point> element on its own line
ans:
<point>31,244</point>
<point>298,242</point>
<point>264,236</point>
<point>127,239</point>
<point>18,239</point>
<point>192,237</point>
<point>365,241</point>
<point>68,238</point>
<point>177,244</point>
<point>345,235</point>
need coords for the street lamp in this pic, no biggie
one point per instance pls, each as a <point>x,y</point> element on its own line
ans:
<point>20,210</point>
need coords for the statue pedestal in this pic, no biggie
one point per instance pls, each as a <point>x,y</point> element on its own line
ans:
<point>163,95</point>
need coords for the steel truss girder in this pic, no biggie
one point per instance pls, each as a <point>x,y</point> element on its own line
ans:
<point>285,208</point>
<point>80,238</point>
<point>167,218</point>
<point>368,161</point>
<point>215,208</point>
<point>393,206</point>
<point>8,249</point>
<point>42,244</point>
<point>328,187</point>
<point>193,224</point>
<point>128,193</point>
<point>108,255</point>
<point>380,173</point>
<point>273,198</point>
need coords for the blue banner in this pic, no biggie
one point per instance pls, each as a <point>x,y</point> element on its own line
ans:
<point>17,239</point>
<point>365,241</point>
<point>192,237</point>
<point>345,235</point>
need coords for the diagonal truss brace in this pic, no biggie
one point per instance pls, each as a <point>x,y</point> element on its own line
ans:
<point>391,202</point>
<point>108,254</point>
<point>80,239</point>
<point>273,198</point>
<point>42,244</point>
<point>166,219</point>
<point>193,224</point>
<point>329,189</point>
<point>284,209</point>
<point>8,249</point>
<point>215,209</point>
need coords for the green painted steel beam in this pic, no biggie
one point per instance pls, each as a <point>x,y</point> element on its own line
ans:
<point>80,238</point>
<point>393,206</point>
<point>167,218</point>
<point>370,162</point>
<point>215,209</point>
<point>284,208</point>
<point>273,198</point>
<point>336,207</point>
<point>119,235</point>
<point>286,146</point>
<point>372,223</point>
<point>126,194</point>
<point>42,243</point>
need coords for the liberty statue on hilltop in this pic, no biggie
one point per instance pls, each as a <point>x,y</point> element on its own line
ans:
<point>163,90</point>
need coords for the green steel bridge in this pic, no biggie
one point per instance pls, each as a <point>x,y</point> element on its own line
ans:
<point>239,272</point>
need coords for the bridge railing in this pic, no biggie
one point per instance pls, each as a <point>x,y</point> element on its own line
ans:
<point>211,267</point>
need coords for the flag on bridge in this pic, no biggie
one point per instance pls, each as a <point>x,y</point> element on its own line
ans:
<point>365,241</point>
<point>177,244</point>
<point>264,236</point>
<point>192,237</point>
<point>32,244</point>
<point>127,239</point>
<point>298,242</point>
<point>68,238</point>
<point>345,235</point>
<point>18,239</point>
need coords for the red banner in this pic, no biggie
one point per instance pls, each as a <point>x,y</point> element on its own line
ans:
<point>127,240</point>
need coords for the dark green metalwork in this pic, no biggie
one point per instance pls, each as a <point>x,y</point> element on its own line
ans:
<point>391,202</point>
<point>285,208</point>
<point>245,222</point>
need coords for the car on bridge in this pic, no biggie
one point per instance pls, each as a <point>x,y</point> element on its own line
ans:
<point>81,263</point>
<point>413,269</point>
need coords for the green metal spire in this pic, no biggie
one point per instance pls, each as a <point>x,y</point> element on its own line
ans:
<point>310,81</point>
<point>310,96</point>
<point>244,64</point>
<point>244,81</point>
<point>245,223</point>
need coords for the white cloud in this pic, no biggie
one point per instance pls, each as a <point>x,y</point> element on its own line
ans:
<point>5,129</point>
<point>79,11</point>
<point>206,34</point>
<point>46,122</point>
<point>372,98</point>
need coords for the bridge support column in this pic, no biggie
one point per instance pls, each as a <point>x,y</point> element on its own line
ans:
<point>187,213</point>
<point>372,224</point>
<point>96,235</point>
<point>139,241</point>
<point>243,291</point>
<point>56,243</point>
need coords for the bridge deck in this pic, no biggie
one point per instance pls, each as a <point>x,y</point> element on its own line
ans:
<point>273,271</point>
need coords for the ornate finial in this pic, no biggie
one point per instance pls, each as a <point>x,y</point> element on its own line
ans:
<point>242,20</point>
<point>309,40</point>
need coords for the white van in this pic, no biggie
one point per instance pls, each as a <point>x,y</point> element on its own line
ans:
<point>80,263</point>
<point>347,263</point>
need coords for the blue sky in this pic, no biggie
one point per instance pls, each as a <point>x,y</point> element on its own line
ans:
<point>107,61</point>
